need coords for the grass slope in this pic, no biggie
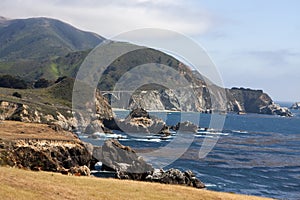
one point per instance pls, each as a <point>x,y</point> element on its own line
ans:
<point>20,184</point>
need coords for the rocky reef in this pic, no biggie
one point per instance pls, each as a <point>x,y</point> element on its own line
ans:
<point>296,106</point>
<point>128,165</point>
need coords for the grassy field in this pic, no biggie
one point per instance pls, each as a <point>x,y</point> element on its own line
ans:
<point>13,130</point>
<point>21,184</point>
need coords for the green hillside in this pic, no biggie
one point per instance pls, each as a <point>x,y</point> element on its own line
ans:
<point>47,48</point>
<point>41,47</point>
<point>42,38</point>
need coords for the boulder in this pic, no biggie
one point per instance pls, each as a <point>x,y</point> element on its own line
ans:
<point>175,176</point>
<point>185,127</point>
<point>121,159</point>
<point>96,126</point>
<point>80,171</point>
<point>296,106</point>
<point>138,113</point>
<point>138,121</point>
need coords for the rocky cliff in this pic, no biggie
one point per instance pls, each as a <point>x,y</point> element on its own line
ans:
<point>40,147</point>
<point>46,155</point>
<point>253,101</point>
<point>236,100</point>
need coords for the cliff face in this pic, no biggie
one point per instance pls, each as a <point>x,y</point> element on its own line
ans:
<point>46,155</point>
<point>207,99</point>
<point>40,147</point>
<point>253,101</point>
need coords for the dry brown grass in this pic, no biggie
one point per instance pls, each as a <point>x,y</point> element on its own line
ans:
<point>13,130</point>
<point>20,184</point>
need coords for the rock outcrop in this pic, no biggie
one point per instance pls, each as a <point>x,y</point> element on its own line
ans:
<point>206,99</point>
<point>123,160</point>
<point>42,154</point>
<point>175,176</point>
<point>62,116</point>
<point>296,106</point>
<point>128,165</point>
<point>185,127</point>
<point>275,109</point>
<point>254,101</point>
<point>138,121</point>
<point>27,113</point>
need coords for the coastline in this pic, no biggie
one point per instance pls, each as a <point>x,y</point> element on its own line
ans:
<point>19,183</point>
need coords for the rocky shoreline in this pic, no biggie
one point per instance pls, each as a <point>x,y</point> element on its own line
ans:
<point>46,149</point>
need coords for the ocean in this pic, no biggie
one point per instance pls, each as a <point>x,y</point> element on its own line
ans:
<point>254,154</point>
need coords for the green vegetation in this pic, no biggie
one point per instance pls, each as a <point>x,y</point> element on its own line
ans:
<point>45,100</point>
<point>9,81</point>
<point>42,48</point>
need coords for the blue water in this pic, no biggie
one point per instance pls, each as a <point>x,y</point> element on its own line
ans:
<point>254,154</point>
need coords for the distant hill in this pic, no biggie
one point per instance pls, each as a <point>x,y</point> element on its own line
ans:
<point>32,48</point>
<point>42,37</point>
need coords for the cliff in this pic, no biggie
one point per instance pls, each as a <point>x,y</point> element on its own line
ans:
<point>40,147</point>
<point>253,101</point>
<point>237,100</point>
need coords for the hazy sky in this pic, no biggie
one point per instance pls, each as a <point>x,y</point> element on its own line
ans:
<point>253,43</point>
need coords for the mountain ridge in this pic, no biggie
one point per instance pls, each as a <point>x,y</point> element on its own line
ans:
<point>37,48</point>
<point>43,37</point>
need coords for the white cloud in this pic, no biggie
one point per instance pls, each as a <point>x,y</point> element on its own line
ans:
<point>109,18</point>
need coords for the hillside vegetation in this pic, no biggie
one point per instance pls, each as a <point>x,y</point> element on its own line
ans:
<point>31,48</point>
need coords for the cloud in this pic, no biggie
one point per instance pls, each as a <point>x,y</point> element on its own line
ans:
<point>109,18</point>
<point>274,58</point>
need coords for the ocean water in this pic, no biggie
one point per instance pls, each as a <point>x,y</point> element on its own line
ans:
<point>254,154</point>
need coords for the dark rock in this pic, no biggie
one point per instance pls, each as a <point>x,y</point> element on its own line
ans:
<point>176,177</point>
<point>296,106</point>
<point>94,126</point>
<point>137,113</point>
<point>122,159</point>
<point>185,127</point>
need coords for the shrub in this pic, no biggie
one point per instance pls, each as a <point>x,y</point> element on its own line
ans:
<point>9,81</point>
<point>17,94</point>
<point>41,83</point>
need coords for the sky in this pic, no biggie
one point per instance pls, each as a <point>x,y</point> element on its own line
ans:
<point>253,43</point>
